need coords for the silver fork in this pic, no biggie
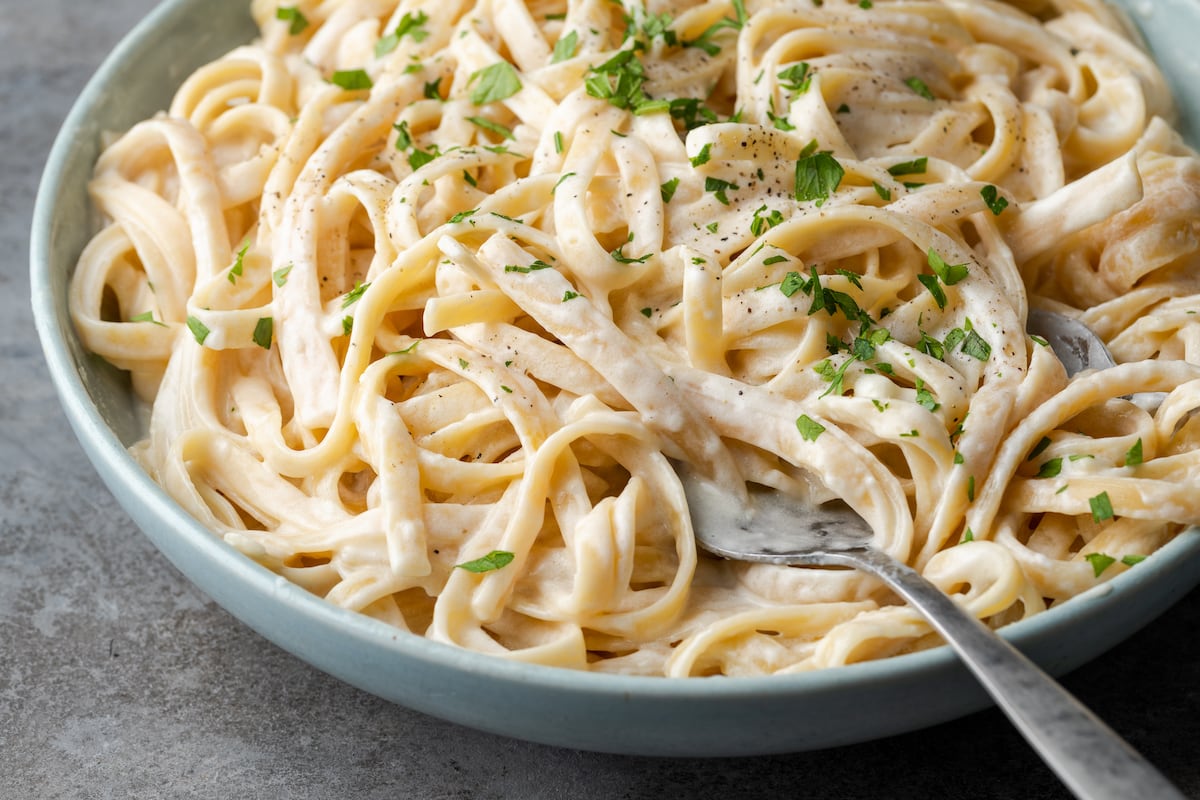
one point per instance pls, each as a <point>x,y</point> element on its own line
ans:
<point>1088,756</point>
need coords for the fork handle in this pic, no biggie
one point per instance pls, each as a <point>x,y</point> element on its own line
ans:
<point>1088,756</point>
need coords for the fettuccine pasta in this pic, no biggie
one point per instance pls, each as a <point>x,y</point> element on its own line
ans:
<point>427,296</point>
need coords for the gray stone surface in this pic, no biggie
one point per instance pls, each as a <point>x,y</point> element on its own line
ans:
<point>118,679</point>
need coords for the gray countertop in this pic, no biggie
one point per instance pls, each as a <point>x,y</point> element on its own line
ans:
<point>119,679</point>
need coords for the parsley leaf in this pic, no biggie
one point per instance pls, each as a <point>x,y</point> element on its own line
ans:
<point>796,78</point>
<point>492,561</point>
<point>565,47</point>
<point>198,329</point>
<point>931,283</point>
<point>1050,469</point>
<point>410,25</point>
<point>494,127</point>
<point>1101,507</point>
<point>351,79</point>
<point>496,82</point>
<point>618,80</point>
<point>1100,562</point>
<point>264,331</point>
<point>280,275</point>
<point>1134,456</point>
<point>950,274</point>
<point>403,137</point>
<point>534,267</point>
<point>914,167</point>
<point>976,347</point>
<point>355,293</point>
<point>621,258</point>
<point>920,87</point>
<point>296,20</point>
<point>995,201</point>
<point>809,428</point>
<point>235,271</point>
<point>718,187</point>
<point>792,283</point>
<point>703,156</point>
<point>761,222</point>
<point>668,189</point>
<point>146,316</point>
<point>817,177</point>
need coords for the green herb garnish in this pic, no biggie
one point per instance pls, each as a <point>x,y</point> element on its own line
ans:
<point>492,561</point>
<point>495,82</point>
<point>351,79</point>
<point>264,331</point>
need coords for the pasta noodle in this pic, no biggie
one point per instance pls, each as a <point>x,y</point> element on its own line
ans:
<point>426,297</point>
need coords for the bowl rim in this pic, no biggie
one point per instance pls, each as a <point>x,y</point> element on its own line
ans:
<point>117,467</point>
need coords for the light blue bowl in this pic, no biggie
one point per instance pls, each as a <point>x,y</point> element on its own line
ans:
<point>719,716</point>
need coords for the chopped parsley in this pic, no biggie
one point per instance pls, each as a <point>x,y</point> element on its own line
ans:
<point>565,47</point>
<point>925,398</point>
<point>198,329</point>
<point>569,295</point>
<point>494,82</point>
<point>1133,456</point>
<point>668,189</point>
<point>995,201</point>
<point>915,167</point>
<point>534,267</point>
<point>235,271</point>
<point>618,80</point>
<point>763,222</point>
<point>296,20</point>
<point>796,78</point>
<point>1101,507</point>
<point>494,127</point>
<point>949,274</point>
<point>621,258</point>
<point>492,561</point>
<point>931,283</point>
<point>818,175</point>
<point>280,275</point>
<point>1050,469</point>
<point>718,187</point>
<point>976,347</point>
<point>410,25</point>
<point>264,331</point>
<point>1038,448</point>
<point>146,316</point>
<point>355,293</point>
<point>809,428</point>
<point>792,283</point>
<point>703,156</point>
<point>920,87</point>
<point>1099,562</point>
<point>351,79</point>
<point>403,137</point>
<point>704,40</point>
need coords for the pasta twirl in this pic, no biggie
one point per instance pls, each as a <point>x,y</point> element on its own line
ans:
<point>426,297</point>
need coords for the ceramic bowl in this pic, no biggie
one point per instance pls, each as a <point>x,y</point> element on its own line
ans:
<point>703,716</point>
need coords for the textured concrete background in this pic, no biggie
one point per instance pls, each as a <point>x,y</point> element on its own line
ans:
<point>118,679</point>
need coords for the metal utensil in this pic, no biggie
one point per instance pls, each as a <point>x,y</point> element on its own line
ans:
<point>1091,760</point>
